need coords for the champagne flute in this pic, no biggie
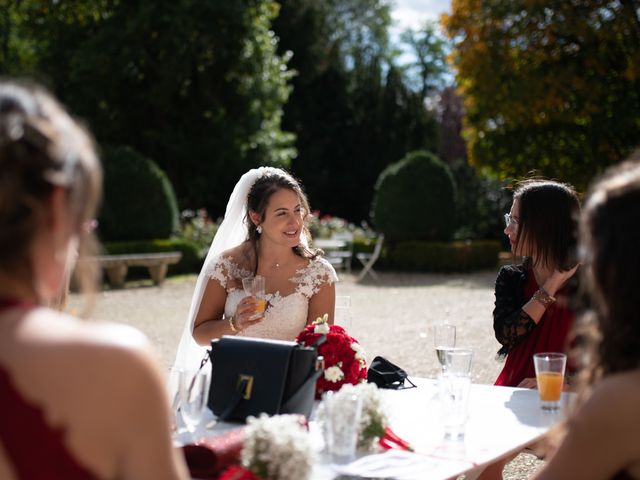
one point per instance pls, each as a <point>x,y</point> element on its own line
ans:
<point>174,375</point>
<point>444,338</point>
<point>194,391</point>
<point>255,287</point>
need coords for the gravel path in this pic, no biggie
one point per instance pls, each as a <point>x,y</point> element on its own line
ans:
<point>391,317</point>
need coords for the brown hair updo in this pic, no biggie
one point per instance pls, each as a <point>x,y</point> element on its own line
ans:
<point>41,147</point>
<point>257,200</point>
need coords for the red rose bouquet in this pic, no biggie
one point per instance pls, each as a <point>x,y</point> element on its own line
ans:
<point>344,358</point>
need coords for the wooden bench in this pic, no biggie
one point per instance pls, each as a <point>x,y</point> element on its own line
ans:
<point>117,266</point>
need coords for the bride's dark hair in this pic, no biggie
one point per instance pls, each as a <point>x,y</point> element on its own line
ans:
<point>257,200</point>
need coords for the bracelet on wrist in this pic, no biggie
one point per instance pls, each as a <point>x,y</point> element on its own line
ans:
<point>541,296</point>
<point>232,324</point>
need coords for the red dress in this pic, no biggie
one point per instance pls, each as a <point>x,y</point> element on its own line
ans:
<point>550,335</point>
<point>35,450</point>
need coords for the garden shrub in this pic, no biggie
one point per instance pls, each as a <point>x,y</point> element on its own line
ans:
<point>139,201</point>
<point>481,203</point>
<point>191,260</point>
<point>457,256</point>
<point>196,226</point>
<point>415,199</point>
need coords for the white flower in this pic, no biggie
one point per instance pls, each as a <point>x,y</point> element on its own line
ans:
<point>333,374</point>
<point>361,355</point>
<point>278,447</point>
<point>322,325</point>
<point>373,418</point>
<point>322,319</point>
<point>321,328</point>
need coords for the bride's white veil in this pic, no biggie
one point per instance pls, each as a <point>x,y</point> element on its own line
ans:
<point>232,232</point>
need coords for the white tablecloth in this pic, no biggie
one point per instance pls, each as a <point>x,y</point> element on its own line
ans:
<point>502,420</point>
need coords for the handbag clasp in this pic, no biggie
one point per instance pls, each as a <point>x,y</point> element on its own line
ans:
<point>248,385</point>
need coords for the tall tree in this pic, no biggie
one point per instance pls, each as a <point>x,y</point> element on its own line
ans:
<point>450,109</point>
<point>197,86</point>
<point>17,50</point>
<point>351,108</point>
<point>429,49</point>
<point>550,86</point>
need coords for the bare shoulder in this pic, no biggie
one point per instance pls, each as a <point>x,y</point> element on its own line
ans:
<point>615,397</point>
<point>108,350</point>
<point>611,412</point>
<point>67,331</point>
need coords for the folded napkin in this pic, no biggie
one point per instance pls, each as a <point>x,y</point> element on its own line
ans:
<point>209,456</point>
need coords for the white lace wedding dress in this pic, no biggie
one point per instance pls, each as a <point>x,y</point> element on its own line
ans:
<point>286,313</point>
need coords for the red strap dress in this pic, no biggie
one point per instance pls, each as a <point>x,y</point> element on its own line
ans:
<point>550,335</point>
<point>35,450</point>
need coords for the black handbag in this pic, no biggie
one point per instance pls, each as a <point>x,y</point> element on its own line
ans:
<point>252,376</point>
<point>387,375</point>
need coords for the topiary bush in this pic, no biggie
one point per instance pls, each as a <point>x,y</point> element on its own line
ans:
<point>139,201</point>
<point>415,199</point>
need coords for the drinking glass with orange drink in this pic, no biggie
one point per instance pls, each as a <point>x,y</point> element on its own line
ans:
<point>550,367</point>
<point>254,286</point>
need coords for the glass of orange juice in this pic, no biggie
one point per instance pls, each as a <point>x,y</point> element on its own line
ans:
<point>255,287</point>
<point>550,367</point>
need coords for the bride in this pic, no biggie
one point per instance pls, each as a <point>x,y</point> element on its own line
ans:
<point>263,233</point>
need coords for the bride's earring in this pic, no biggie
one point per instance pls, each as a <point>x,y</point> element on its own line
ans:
<point>259,229</point>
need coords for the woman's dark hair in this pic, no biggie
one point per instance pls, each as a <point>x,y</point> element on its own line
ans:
<point>609,246</point>
<point>548,223</point>
<point>41,148</point>
<point>258,199</point>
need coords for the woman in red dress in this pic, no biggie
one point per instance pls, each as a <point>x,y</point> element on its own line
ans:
<point>532,312</point>
<point>77,400</point>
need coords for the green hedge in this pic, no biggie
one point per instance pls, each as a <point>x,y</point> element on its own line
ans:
<point>139,201</point>
<point>442,256</point>
<point>415,199</point>
<point>191,262</point>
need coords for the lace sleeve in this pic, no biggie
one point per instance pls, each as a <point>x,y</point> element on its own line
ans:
<point>313,276</point>
<point>511,324</point>
<point>225,271</point>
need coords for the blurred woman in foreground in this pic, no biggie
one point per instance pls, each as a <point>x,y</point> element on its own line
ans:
<point>601,441</point>
<point>77,401</point>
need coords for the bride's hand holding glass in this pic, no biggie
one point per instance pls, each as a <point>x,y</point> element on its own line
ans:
<point>247,313</point>
<point>251,308</point>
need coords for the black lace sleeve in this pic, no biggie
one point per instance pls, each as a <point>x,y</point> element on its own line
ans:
<point>510,323</point>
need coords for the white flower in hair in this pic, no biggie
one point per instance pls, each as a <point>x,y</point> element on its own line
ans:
<point>265,171</point>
